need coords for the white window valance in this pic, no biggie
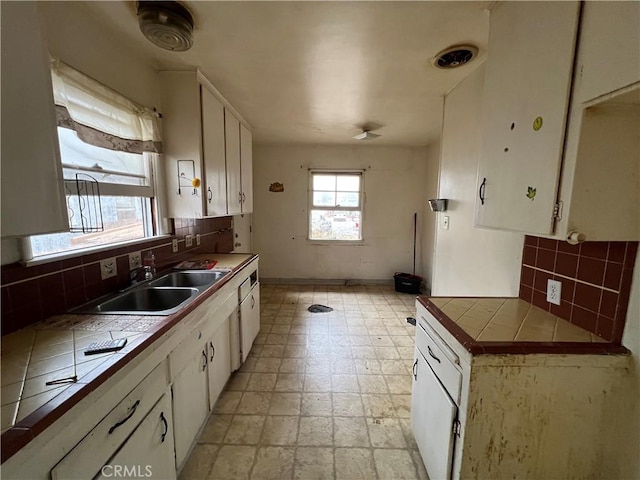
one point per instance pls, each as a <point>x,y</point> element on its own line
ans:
<point>100,116</point>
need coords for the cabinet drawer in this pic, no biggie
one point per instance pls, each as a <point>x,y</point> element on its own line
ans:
<point>440,357</point>
<point>88,457</point>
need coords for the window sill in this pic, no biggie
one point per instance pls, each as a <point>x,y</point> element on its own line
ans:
<point>345,243</point>
<point>54,257</point>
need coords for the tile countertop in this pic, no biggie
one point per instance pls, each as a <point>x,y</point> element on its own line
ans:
<point>53,350</point>
<point>511,325</point>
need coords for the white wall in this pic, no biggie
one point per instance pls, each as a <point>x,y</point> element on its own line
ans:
<point>395,188</point>
<point>467,260</point>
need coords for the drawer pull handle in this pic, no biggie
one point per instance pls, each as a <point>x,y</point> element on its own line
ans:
<point>213,351</point>
<point>166,427</point>
<point>432,355</point>
<point>210,194</point>
<point>414,369</point>
<point>483,185</point>
<point>132,410</point>
<point>253,302</point>
<point>204,360</point>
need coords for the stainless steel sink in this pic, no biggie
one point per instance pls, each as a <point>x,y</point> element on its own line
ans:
<point>188,279</point>
<point>164,295</point>
<point>144,301</point>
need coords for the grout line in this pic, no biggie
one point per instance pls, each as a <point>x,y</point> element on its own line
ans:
<point>602,287</point>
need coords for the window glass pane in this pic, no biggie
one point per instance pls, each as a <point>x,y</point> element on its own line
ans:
<point>324,199</point>
<point>119,167</point>
<point>348,183</point>
<point>123,220</point>
<point>347,199</point>
<point>335,225</point>
<point>324,182</point>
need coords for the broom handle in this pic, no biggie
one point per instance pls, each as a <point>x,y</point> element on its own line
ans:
<point>415,230</point>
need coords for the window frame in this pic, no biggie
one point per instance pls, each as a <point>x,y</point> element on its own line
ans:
<point>360,208</point>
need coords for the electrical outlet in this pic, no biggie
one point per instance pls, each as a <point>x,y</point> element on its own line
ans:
<point>135,260</point>
<point>198,239</point>
<point>188,240</point>
<point>554,289</point>
<point>108,268</point>
<point>174,245</point>
<point>445,222</point>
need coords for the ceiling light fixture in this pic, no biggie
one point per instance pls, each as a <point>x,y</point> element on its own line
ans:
<point>366,135</point>
<point>455,56</point>
<point>168,25</point>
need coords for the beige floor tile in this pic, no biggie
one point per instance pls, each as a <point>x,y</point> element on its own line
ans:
<point>313,464</point>
<point>367,366</point>
<point>262,382</point>
<point>227,402</point>
<point>347,405</point>
<point>394,464</point>
<point>405,423</point>
<point>215,429</point>
<point>354,464</point>
<point>285,404</point>
<point>267,365</point>
<point>256,403</point>
<point>399,384</point>
<point>317,383</point>
<point>233,463</point>
<point>350,432</point>
<point>317,404</point>
<point>294,351</point>
<point>417,460</point>
<point>272,351</point>
<point>273,463</point>
<point>367,352</point>
<point>292,365</point>
<point>344,383</point>
<point>280,430</point>
<point>393,367</point>
<point>378,405</point>
<point>386,433</point>
<point>372,384</point>
<point>238,381</point>
<point>289,382</point>
<point>402,404</point>
<point>343,366</point>
<point>200,462</point>
<point>316,431</point>
<point>245,429</point>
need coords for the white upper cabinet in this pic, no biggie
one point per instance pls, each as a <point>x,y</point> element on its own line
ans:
<point>600,186</point>
<point>608,49</point>
<point>525,100</point>
<point>201,140</point>
<point>31,168</point>
<point>246,168</point>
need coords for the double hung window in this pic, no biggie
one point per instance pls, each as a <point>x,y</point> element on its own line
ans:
<point>335,205</point>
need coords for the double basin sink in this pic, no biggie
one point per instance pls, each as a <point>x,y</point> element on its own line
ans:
<point>164,295</point>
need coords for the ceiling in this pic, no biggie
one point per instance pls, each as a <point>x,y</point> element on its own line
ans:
<point>318,72</point>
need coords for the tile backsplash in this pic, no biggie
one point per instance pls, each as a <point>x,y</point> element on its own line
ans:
<point>31,294</point>
<point>595,276</point>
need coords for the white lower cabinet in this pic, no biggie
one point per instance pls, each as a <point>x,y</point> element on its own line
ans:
<point>219,369</point>
<point>113,433</point>
<point>148,453</point>
<point>249,318</point>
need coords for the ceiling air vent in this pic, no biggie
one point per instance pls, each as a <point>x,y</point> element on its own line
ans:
<point>168,25</point>
<point>456,56</point>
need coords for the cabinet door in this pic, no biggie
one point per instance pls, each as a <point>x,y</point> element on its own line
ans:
<point>232,150</point>
<point>31,168</point>
<point>246,168</point>
<point>190,403</point>
<point>609,48</point>
<point>213,151</point>
<point>249,320</point>
<point>432,417</point>
<point>149,450</point>
<point>525,98</point>
<point>219,351</point>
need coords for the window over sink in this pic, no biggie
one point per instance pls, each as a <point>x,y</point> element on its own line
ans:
<point>335,205</point>
<point>106,138</point>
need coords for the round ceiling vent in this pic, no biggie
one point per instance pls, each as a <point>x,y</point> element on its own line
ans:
<point>454,57</point>
<point>168,25</point>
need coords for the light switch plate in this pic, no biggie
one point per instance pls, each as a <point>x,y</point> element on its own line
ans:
<point>174,245</point>
<point>188,240</point>
<point>135,260</point>
<point>108,268</point>
<point>554,289</point>
<point>445,222</point>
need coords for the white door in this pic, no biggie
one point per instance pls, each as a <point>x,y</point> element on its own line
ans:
<point>232,151</point>
<point>524,107</point>
<point>190,403</point>
<point>215,180</point>
<point>249,320</point>
<point>219,361</point>
<point>432,416</point>
<point>149,450</point>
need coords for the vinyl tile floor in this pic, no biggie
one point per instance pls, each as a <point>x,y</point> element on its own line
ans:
<point>321,395</point>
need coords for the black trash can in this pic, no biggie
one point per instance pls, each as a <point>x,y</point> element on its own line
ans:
<point>407,283</point>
